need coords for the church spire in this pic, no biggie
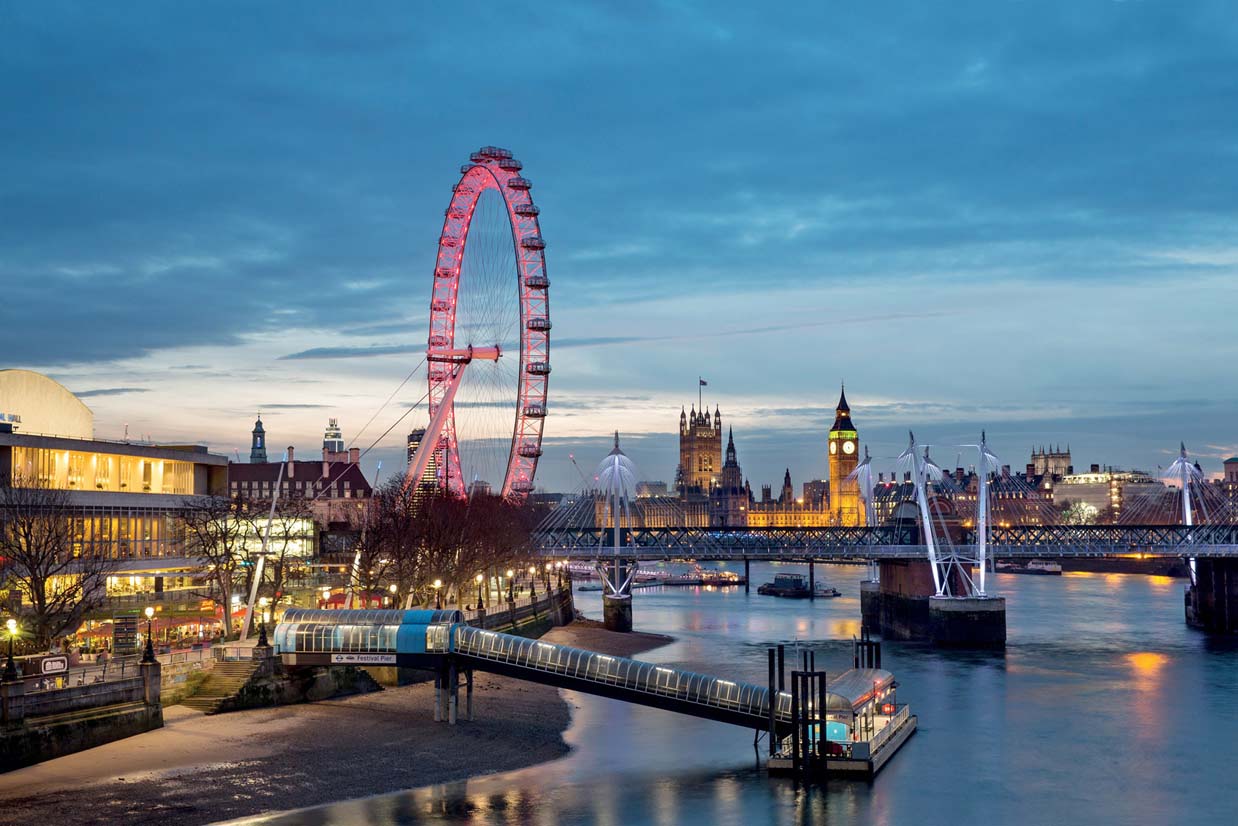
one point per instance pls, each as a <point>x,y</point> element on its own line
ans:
<point>258,443</point>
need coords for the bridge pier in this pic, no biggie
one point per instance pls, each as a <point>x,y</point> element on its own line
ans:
<point>903,606</point>
<point>1212,602</point>
<point>617,594</point>
<point>617,612</point>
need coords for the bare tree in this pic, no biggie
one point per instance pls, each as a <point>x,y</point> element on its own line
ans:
<point>62,581</point>
<point>217,530</point>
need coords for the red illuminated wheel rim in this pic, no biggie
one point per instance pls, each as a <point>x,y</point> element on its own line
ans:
<point>491,295</point>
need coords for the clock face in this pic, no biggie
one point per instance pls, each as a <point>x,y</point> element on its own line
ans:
<point>848,448</point>
<point>833,447</point>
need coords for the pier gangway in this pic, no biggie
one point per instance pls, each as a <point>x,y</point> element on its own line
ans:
<point>438,640</point>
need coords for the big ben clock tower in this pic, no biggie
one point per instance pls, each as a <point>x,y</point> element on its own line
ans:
<point>844,449</point>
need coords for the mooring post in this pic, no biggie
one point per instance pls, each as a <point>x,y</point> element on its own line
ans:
<point>773,700</point>
<point>821,718</point>
<point>747,575</point>
<point>806,733</point>
<point>796,764</point>
<point>453,700</point>
<point>438,695</point>
<point>468,695</point>
<point>782,667</point>
<point>812,580</point>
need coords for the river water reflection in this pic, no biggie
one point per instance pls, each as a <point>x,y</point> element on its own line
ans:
<point>1104,708</point>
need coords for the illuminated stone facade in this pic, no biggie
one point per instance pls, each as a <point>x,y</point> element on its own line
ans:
<point>843,445</point>
<point>700,452</point>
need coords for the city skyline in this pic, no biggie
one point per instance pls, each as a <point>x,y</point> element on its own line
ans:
<point>252,229</point>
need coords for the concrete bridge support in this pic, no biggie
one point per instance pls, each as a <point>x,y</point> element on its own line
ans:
<point>902,606</point>
<point>1212,602</point>
<point>617,596</point>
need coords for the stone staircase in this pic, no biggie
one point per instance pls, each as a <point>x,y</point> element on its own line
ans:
<point>225,681</point>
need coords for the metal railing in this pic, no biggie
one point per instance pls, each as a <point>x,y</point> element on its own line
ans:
<point>853,544</point>
<point>639,677</point>
<point>889,730</point>
<point>116,668</point>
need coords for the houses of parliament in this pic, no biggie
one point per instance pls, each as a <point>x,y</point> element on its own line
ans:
<point>711,489</point>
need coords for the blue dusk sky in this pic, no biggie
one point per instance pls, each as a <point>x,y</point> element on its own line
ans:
<point>1018,216</point>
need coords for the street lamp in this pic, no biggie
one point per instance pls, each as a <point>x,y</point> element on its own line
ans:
<point>262,627</point>
<point>438,594</point>
<point>548,567</point>
<point>10,667</point>
<point>511,585</point>
<point>481,600</point>
<point>326,594</point>
<point>148,656</point>
<point>533,582</point>
<point>393,588</point>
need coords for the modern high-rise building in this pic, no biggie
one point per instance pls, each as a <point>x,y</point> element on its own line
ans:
<point>333,437</point>
<point>430,476</point>
<point>700,452</point>
<point>844,456</point>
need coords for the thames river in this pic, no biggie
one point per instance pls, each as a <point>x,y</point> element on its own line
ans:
<point>1104,708</point>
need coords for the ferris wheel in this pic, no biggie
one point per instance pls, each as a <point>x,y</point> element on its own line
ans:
<point>488,350</point>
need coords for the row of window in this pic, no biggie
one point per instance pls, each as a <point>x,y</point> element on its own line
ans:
<point>263,489</point>
<point>81,470</point>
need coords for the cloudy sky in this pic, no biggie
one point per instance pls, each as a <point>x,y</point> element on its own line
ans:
<point>1011,215</point>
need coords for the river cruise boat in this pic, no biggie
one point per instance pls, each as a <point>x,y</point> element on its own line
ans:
<point>795,586</point>
<point>1040,567</point>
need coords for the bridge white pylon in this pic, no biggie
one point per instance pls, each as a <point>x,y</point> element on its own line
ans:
<point>863,478</point>
<point>942,561</point>
<point>1184,472</point>
<point>617,476</point>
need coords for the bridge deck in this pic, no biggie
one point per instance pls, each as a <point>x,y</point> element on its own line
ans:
<point>856,544</point>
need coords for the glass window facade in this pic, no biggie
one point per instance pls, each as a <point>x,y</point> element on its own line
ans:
<point>85,470</point>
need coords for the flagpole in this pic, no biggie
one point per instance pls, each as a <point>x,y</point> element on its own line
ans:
<point>700,404</point>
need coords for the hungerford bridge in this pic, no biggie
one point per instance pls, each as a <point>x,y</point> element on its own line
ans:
<point>926,580</point>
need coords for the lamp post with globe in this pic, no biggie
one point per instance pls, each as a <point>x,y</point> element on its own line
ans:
<point>148,656</point>
<point>10,667</point>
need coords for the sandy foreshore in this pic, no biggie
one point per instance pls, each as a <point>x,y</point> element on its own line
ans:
<point>201,769</point>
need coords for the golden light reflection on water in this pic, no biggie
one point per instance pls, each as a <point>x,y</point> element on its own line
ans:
<point>1147,705</point>
<point>1160,582</point>
<point>844,628</point>
<point>1147,666</point>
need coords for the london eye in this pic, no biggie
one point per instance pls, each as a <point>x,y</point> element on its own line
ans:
<point>488,349</point>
